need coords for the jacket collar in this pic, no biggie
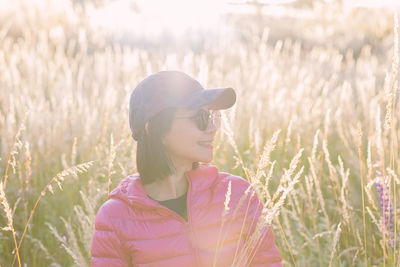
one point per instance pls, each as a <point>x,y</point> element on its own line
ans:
<point>131,189</point>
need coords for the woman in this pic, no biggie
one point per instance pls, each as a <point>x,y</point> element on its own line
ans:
<point>178,210</point>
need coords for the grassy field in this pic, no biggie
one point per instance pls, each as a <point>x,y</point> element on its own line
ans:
<point>315,126</point>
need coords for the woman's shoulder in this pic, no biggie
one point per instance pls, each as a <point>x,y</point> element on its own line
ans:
<point>112,208</point>
<point>240,191</point>
<point>109,213</point>
<point>239,185</point>
<point>116,204</point>
<point>226,177</point>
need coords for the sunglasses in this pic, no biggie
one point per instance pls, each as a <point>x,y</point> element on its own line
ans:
<point>202,118</point>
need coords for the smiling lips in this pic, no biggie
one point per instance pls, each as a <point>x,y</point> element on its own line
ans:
<point>208,144</point>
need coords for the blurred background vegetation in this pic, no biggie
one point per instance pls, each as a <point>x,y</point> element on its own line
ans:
<point>313,69</point>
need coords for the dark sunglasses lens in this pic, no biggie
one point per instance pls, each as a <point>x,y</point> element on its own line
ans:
<point>202,119</point>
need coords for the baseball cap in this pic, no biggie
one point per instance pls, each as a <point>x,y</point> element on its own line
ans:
<point>176,89</point>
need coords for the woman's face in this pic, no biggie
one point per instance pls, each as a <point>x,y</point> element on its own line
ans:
<point>185,143</point>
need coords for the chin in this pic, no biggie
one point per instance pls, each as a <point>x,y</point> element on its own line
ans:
<point>205,156</point>
<point>205,159</point>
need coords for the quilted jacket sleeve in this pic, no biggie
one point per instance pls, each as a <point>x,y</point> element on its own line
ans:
<point>106,249</point>
<point>266,253</point>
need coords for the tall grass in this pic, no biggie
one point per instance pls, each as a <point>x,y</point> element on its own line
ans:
<point>315,131</point>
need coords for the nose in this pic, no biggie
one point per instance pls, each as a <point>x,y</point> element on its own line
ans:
<point>212,126</point>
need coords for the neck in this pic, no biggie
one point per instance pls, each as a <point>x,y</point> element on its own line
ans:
<point>170,187</point>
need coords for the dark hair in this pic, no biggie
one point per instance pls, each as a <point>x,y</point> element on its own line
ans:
<point>152,160</point>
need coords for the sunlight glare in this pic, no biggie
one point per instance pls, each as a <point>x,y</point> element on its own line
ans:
<point>373,3</point>
<point>153,16</point>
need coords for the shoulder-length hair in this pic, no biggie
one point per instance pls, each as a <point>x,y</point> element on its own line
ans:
<point>152,159</point>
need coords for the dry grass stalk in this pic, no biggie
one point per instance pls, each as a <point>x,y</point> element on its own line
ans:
<point>73,151</point>
<point>319,192</point>
<point>266,194</point>
<point>240,203</point>
<point>64,244</point>
<point>332,171</point>
<point>343,192</point>
<point>369,162</point>
<point>379,140</point>
<point>228,131</point>
<point>257,142</point>
<point>289,132</point>
<point>224,212</point>
<point>309,190</point>
<point>28,173</point>
<point>242,198</point>
<point>17,144</point>
<point>79,226</point>
<point>73,246</point>
<point>288,229</point>
<point>242,258</point>
<point>237,255</point>
<point>58,178</point>
<point>274,211</point>
<point>393,175</point>
<point>253,242</point>
<point>303,229</point>
<point>318,235</point>
<point>360,242</point>
<point>111,159</point>
<point>287,243</point>
<point>298,141</point>
<point>371,199</point>
<point>340,130</point>
<point>10,226</point>
<point>38,243</point>
<point>86,225</point>
<point>326,124</point>
<point>392,106</point>
<point>335,241</point>
<point>360,157</point>
<point>287,174</point>
<point>294,199</point>
<point>315,145</point>
<point>373,218</point>
<point>264,161</point>
<point>390,86</point>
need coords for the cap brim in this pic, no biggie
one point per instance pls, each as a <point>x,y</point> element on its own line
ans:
<point>219,98</point>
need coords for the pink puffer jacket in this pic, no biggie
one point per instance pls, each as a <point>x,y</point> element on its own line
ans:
<point>133,230</point>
